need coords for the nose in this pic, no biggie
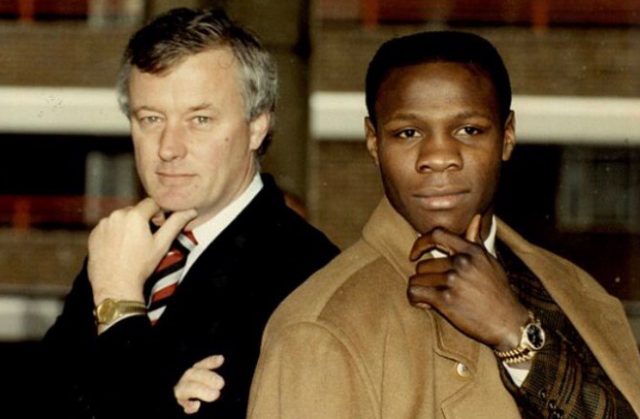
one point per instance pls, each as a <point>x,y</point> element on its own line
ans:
<point>172,143</point>
<point>438,153</point>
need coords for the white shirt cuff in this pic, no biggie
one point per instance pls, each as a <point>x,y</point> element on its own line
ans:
<point>518,375</point>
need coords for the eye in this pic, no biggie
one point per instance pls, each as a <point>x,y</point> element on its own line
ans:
<point>202,120</point>
<point>469,130</point>
<point>407,133</point>
<point>149,120</point>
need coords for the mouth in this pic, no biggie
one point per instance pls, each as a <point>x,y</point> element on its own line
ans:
<point>172,179</point>
<point>443,199</point>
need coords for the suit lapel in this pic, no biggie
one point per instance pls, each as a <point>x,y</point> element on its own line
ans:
<point>605,330</point>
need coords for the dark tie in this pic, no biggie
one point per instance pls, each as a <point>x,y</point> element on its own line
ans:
<point>165,279</point>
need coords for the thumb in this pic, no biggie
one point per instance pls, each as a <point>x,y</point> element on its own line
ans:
<point>211,362</point>
<point>473,230</point>
<point>173,225</point>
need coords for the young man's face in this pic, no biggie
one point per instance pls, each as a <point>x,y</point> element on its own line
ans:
<point>193,145</point>
<point>439,143</point>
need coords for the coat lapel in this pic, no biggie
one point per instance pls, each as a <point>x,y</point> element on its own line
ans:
<point>606,331</point>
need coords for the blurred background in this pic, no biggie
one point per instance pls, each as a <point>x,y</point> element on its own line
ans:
<point>572,186</point>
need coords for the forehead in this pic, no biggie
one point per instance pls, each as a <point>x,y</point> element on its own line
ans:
<point>211,73</point>
<point>441,83</point>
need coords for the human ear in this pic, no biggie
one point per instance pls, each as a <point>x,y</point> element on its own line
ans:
<point>372,139</point>
<point>258,129</point>
<point>509,136</point>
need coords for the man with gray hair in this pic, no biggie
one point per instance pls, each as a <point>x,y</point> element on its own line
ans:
<point>197,267</point>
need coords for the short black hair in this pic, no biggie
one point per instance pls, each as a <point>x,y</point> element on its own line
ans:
<point>439,46</point>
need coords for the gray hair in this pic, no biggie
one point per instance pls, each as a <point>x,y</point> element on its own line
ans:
<point>179,33</point>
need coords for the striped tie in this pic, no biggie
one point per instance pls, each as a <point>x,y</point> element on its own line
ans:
<point>165,279</point>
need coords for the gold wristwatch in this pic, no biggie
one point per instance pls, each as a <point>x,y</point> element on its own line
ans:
<point>532,340</point>
<point>110,310</point>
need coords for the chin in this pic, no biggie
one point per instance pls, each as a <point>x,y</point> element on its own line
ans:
<point>424,223</point>
<point>172,204</point>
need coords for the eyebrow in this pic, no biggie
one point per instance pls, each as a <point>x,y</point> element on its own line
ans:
<point>201,107</point>
<point>143,108</point>
<point>195,108</point>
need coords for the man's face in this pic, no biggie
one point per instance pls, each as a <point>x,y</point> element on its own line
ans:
<point>194,147</point>
<point>439,143</point>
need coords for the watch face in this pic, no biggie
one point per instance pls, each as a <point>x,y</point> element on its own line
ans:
<point>106,310</point>
<point>535,336</point>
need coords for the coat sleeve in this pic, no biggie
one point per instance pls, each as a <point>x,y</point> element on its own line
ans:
<point>564,383</point>
<point>306,371</point>
<point>86,375</point>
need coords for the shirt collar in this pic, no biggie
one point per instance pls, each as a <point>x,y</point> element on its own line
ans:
<point>207,232</point>
<point>490,242</point>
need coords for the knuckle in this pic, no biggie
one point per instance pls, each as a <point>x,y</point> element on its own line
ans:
<point>437,231</point>
<point>451,277</point>
<point>462,260</point>
<point>211,395</point>
<point>447,296</point>
<point>412,293</point>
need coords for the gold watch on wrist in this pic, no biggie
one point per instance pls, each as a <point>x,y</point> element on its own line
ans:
<point>110,310</point>
<point>532,339</point>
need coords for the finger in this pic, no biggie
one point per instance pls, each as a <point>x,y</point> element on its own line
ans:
<point>424,244</point>
<point>210,363</point>
<point>187,390</point>
<point>204,376</point>
<point>448,240</point>
<point>190,406</point>
<point>147,208</point>
<point>434,265</point>
<point>473,230</point>
<point>159,218</point>
<point>171,228</point>
<point>421,296</point>
<point>437,280</point>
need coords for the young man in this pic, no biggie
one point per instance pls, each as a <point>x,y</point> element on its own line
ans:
<point>200,93</point>
<point>441,310</point>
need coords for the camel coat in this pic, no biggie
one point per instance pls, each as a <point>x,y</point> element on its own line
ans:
<point>347,344</point>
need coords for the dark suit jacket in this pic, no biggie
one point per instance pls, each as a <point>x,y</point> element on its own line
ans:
<point>221,307</point>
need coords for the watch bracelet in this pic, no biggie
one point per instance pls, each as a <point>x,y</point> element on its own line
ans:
<point>520,353</point>
<point>515,356</point>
